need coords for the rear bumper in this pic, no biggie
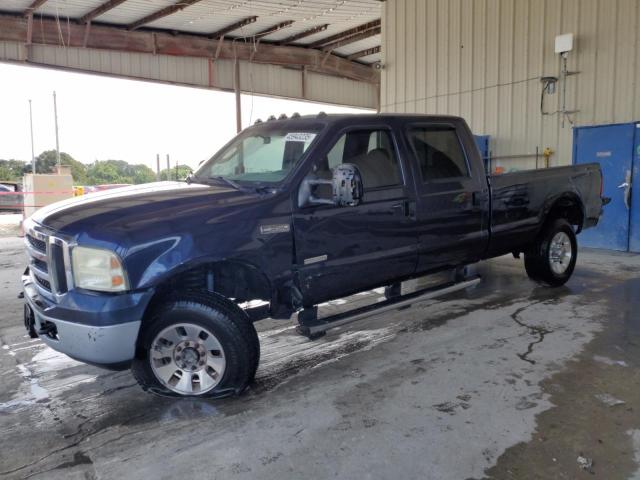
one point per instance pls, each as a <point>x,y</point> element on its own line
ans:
<point>98,336</point>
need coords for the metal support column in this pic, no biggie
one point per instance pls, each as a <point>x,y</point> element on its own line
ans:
<point>236,88</point>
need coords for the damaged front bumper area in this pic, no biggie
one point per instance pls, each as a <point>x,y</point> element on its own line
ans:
<point>93,328</point>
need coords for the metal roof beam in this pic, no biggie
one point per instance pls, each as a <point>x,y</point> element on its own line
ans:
<point>234,26</point>
<point>347,33</point>
<point>364,53</point>
<point>100,9</point>
<point>306,33</point>
<point>109,37</point>
<point>273,29</point>
<point>352,39</point>
<point>33,7</point>
<point>164,12</point>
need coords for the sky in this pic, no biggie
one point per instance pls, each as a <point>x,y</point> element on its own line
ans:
<point>102,118</point>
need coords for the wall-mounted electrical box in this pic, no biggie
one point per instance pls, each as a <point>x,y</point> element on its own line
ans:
<point>564,43</point>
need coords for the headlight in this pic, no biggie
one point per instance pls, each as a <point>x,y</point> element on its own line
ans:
<point>97,269</point>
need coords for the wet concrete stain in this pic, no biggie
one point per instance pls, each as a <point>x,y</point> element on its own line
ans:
<point>536,330</point>
<point>579,424</point>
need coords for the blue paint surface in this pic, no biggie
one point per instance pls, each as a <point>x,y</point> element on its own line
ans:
<point>612,146</point>
<point>483,145</point>
<point>634,224</point>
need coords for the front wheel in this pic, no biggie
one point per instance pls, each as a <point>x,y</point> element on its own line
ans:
<point>196,344</point>
<point>552,258</point>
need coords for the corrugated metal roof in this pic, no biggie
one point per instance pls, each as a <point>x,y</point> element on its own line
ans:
<point>209,16</point>
<point>15,5</point>
<point>67,8</point>
<point>360,45</point>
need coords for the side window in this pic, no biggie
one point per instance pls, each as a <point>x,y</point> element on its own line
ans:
<point>438,152</point>
<point>371,151</point>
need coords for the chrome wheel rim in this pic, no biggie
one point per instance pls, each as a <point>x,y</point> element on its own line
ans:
<point>187,359</point>
<point>560,253</point>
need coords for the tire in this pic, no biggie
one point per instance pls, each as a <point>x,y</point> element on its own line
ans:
<point>196,345</point>
<point>552,259</point>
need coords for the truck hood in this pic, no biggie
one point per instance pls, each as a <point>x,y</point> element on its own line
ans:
<point>142,207</point>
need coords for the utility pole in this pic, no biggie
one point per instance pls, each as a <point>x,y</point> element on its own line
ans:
<point>157,167</point>
<point>236,88</point>
<point>55,114</point>
<point>33,153</point>
<point>168,168</point>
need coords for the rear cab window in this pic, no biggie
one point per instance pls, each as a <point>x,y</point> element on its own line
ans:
<point>438,152</point>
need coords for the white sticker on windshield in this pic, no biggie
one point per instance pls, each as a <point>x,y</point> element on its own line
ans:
<point>299,137</point>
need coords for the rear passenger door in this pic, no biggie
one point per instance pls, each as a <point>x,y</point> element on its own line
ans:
<point>343,250</point>
<point>453,200</point>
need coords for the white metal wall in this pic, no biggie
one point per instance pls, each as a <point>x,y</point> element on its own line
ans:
<point>483,59</point>
<point>257,78</point>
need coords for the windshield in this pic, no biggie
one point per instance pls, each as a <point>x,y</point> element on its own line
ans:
<point>265,154</point>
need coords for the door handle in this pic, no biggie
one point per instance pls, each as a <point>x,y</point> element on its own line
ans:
<point>627,189</point>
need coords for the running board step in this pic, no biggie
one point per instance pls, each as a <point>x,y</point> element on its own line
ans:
<point>313,327</point>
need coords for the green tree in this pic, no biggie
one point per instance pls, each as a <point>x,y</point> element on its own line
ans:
<point>182,172</point>
<point>104,172</point>
<point>142,174</point>
<point>13,170</point>
<point>46,163</point>
<point>118,171</point>
<point>6,173</point>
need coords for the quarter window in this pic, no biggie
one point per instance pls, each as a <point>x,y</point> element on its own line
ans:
<point>438,152</point>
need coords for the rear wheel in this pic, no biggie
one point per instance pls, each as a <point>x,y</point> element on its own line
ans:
<point>552,259</point>
<point>197,344</point>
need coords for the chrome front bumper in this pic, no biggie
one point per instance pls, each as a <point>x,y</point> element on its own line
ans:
<point>110,346</point>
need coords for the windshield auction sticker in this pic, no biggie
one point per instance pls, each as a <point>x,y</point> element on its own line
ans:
<point>305,137</point>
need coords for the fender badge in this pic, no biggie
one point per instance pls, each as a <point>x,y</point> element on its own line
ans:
<point>275,228</point>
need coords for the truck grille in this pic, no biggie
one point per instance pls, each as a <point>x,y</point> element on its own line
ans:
<point>48,259</point>
<point>40,265</point>
<point>43,283</point>
<point>39,245</point>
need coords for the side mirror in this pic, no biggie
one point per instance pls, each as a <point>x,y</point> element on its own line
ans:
<point>347,185</point>
<point>346,188</point>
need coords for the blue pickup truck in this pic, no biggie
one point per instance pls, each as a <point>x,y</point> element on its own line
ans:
<point>289,214</point>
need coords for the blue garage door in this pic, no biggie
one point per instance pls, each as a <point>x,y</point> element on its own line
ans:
<point>634,238</point>
<point>613,147</point>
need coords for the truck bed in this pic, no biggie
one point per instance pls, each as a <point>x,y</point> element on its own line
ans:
<point>521,200</point>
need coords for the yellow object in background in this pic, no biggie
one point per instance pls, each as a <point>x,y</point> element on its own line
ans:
<point>78,190</point>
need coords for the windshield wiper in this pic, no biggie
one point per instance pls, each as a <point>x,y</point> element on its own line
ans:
<point>231,183</point>
<point>213,180</point>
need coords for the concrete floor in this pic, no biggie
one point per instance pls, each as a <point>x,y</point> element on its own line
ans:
<point>508,380</point>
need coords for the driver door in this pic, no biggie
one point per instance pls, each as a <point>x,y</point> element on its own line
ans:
<point>344,250</point>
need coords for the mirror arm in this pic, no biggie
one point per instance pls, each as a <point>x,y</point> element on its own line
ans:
<point>321,201</point>
<point>318,181</point>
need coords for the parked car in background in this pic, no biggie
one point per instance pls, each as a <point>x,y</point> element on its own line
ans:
<point>11,198</point>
